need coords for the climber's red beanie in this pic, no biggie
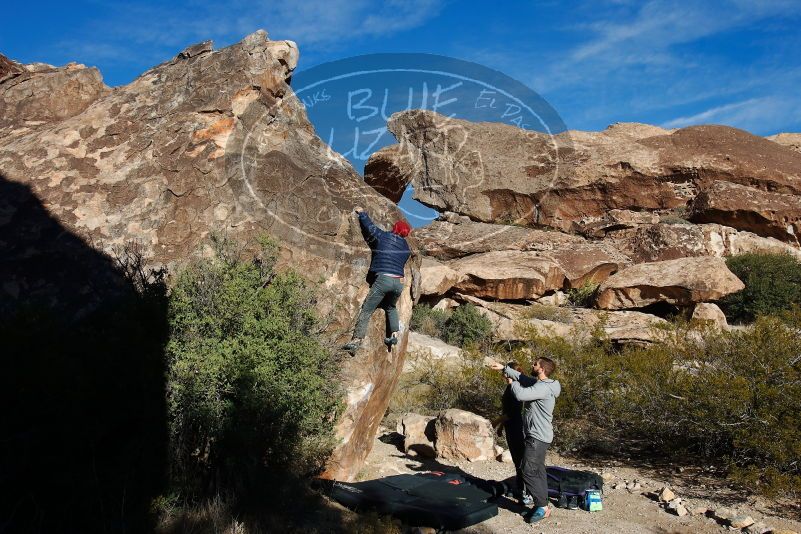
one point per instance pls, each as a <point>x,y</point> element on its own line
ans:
<point>401,228</point>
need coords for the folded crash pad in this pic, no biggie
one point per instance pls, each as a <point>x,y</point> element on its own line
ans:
<point>435,499</point>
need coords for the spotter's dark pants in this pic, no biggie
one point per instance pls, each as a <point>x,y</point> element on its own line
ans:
<point>534,474</point>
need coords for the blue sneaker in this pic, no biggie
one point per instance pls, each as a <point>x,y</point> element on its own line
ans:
<point>538,514</point>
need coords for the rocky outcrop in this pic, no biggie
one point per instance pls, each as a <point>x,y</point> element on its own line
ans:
<point>9,69</point>
<point>499,173</point>
<point>508,275</point>
<point>668,241</point>
<point>527,261</point>
<point>462,435</point>
<point>790,140</point>
<point>447,240</point>
<point>418,434</point>
<point>765,213</point>
<point>423,347</point>
<point>681,282</point>
<point>437,278</point>
<point>42,93</point>
<point>211,141</point>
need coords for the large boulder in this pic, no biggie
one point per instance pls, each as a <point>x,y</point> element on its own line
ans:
<point>668,241</point>
<point>681,282</point>
<point>421,346</point>
<point>463,435</point>
<point>436,278</point>
<point>508,275</point>
<point>211,141</point>
<point>620,327</point>
<point>418,434</point>
<point>447,240</point>
<point>499,173</point>
<point>748,208</point>
<point>514,322</point>
<point>709,313</point>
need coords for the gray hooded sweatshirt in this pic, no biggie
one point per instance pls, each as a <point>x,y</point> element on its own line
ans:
<point>540,398</point>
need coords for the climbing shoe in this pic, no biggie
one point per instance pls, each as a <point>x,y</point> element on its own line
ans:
<point>352,346</point>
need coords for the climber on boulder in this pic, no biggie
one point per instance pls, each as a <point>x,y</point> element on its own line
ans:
<point>389,253</point>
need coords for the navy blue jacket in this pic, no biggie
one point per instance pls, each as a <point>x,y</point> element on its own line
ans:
<point>389,251</point>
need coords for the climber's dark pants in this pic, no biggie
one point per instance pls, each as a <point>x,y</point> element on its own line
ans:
<point>384,293</point>
<point>534,474</point>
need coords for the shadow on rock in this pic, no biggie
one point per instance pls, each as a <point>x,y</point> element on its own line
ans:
<point>84,423</point>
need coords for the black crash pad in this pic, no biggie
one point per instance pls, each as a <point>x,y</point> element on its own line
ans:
<point>435,499</point>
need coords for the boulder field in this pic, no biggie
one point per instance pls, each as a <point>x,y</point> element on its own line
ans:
<point>636,220</point>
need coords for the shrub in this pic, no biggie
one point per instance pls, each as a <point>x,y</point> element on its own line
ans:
<point>772,285</point>
<point>547,312</point>
<point>462,326</point>
<point>428,321</point>
<point>583,296</point>
<point>728,397</point>
<point>471,386</point>
<point>717,395</point>
<point>466,326</point>
<point>249,385</point>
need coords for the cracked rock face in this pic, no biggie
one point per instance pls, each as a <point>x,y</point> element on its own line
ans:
<point>210,141</point>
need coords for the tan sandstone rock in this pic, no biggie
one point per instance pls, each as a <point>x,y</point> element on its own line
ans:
<point>790,140</point>
<point>446,240</point>
<point>436,278</point>
<point>418,434</point>
<point>421,346</point>
<point>681,282</point>
<point>498,173</point>
<point>666,241</point>
<point>462,435</point>
<point>764,213</point>
<point>516,322</point>
<point>709,313</point>
<point>210,141</point>
<point>508,275</point>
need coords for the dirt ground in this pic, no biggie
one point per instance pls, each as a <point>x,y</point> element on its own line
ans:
<point>623,512</point>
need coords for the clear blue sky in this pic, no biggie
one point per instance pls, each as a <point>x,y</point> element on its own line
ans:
<point>596,62</point>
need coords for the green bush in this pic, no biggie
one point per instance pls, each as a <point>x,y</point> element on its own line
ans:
<point>249,385</point>
<point>428,321</point>
<point>461,326</point>
<point>732,398</point>
<point>772,286</point>
<point>547,312</point>
<point>583,296</point>
<point>718,395</point>
<point>466,326</point>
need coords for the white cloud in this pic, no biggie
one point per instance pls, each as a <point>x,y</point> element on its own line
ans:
<point>763,115</point>
<point>314,24</point>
